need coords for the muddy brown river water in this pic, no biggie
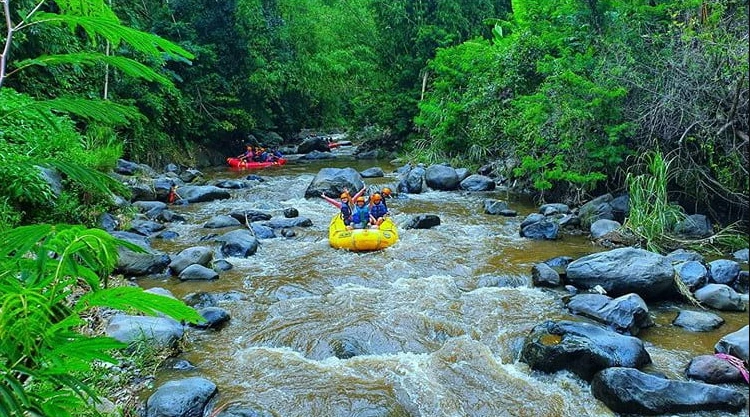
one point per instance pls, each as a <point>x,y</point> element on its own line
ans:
<point>436,321</point>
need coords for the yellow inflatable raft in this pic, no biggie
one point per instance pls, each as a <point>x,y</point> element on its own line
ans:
<point>361,239</point>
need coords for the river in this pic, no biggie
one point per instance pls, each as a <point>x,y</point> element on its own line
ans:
<point>436,321</point>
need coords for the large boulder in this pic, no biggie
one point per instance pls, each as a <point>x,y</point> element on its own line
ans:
<point>684,255</point>
<point>735,344</point>
<point>137,264</point>
<point>441,177</point>
<point>477,183</point>
<point>251,215</point>
<point>543,275</point>
<point>285,223</point>
<point>423,221</point>
<point>723,271</point>
<point>315,143</point>
<point>412,182</point>
<point>374,172</point>
<point>720,297</point>
<point>601,227</point>
<point>694,226</point>
<point>221,221</point>
<point>540,230</point>
<point>630,391</point>
<point>203,193</point>
<point>159,332</point>
<point>495,207</point>
<point>697,321</point>
<point>623,271</point>
<point>333,181</point>
<point>181,398</point>
<point>197,272</point>
<point>213,318</point>
<point>200,255</point>
<point>712,369</point>
<point>692,273</point>
<point>240,243</point>
<point>626,314</point>
<point>550,209</point>
<point>596,209</point>
<point>581,348</point>
<point>145,227</point>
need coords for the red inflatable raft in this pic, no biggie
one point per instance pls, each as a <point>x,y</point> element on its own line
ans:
<point>237,163</point>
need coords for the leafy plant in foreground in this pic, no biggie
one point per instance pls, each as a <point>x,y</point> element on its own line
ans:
<point>49,277</point>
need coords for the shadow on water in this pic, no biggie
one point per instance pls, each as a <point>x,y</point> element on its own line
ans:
<point>431,326</point>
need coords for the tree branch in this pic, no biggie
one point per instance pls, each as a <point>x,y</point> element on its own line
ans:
<point>8,39</point>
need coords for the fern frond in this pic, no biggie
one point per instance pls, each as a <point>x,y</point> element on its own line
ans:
<point>92,178</point>
<point>77,354</point>
<point>95,8</point>
<point>12,400</point>
<point>115,33</point>
<point>21,240</point>
<point>124,298</point>
<point>128,66</point>
<point>97,110</point>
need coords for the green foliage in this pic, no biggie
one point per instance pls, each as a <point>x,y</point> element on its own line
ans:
<point>652,215</point>
<point>43,270</point>
<point>32,138</point>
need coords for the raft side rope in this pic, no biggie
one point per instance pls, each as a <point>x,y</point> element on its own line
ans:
<point>737,363</point>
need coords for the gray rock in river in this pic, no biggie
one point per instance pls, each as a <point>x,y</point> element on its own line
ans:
<point>581,348</point>
<point>200,255</point>
<point>477,183</point>
<point>441,178</point>
<point>735,344</point>
<point>623,271</point>
<point>333,181</point>
<point>720,297</point>
<point>713,370</point>
<point>203,193</point>
<point>240,243</point>
<point>697,321</point>
<point>625,314</point>
<point>181,398</point>
<point>627,390</point>
<point>157,331</point>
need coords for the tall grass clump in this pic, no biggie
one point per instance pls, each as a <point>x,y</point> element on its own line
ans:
<point>652,216</point>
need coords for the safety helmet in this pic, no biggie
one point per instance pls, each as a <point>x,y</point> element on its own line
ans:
<point>376,197</point>
<point>386,191</point>
<point>360,199</point>
<point>344,195</point>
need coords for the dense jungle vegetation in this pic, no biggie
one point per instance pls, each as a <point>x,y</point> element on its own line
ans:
<point>566,94</point>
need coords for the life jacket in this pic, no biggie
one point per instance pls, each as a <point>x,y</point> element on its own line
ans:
<point>378,210</point>
<point>361,215</point>
<point>346,213</point>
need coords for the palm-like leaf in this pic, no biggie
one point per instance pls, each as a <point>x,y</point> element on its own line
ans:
<point>128,66</point>
<point>115,33</point>
<point>40,350</point>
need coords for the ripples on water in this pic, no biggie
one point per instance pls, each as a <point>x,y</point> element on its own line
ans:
<point>431,326</point>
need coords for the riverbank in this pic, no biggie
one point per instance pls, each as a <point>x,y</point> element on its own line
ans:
<point>298,308</point>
